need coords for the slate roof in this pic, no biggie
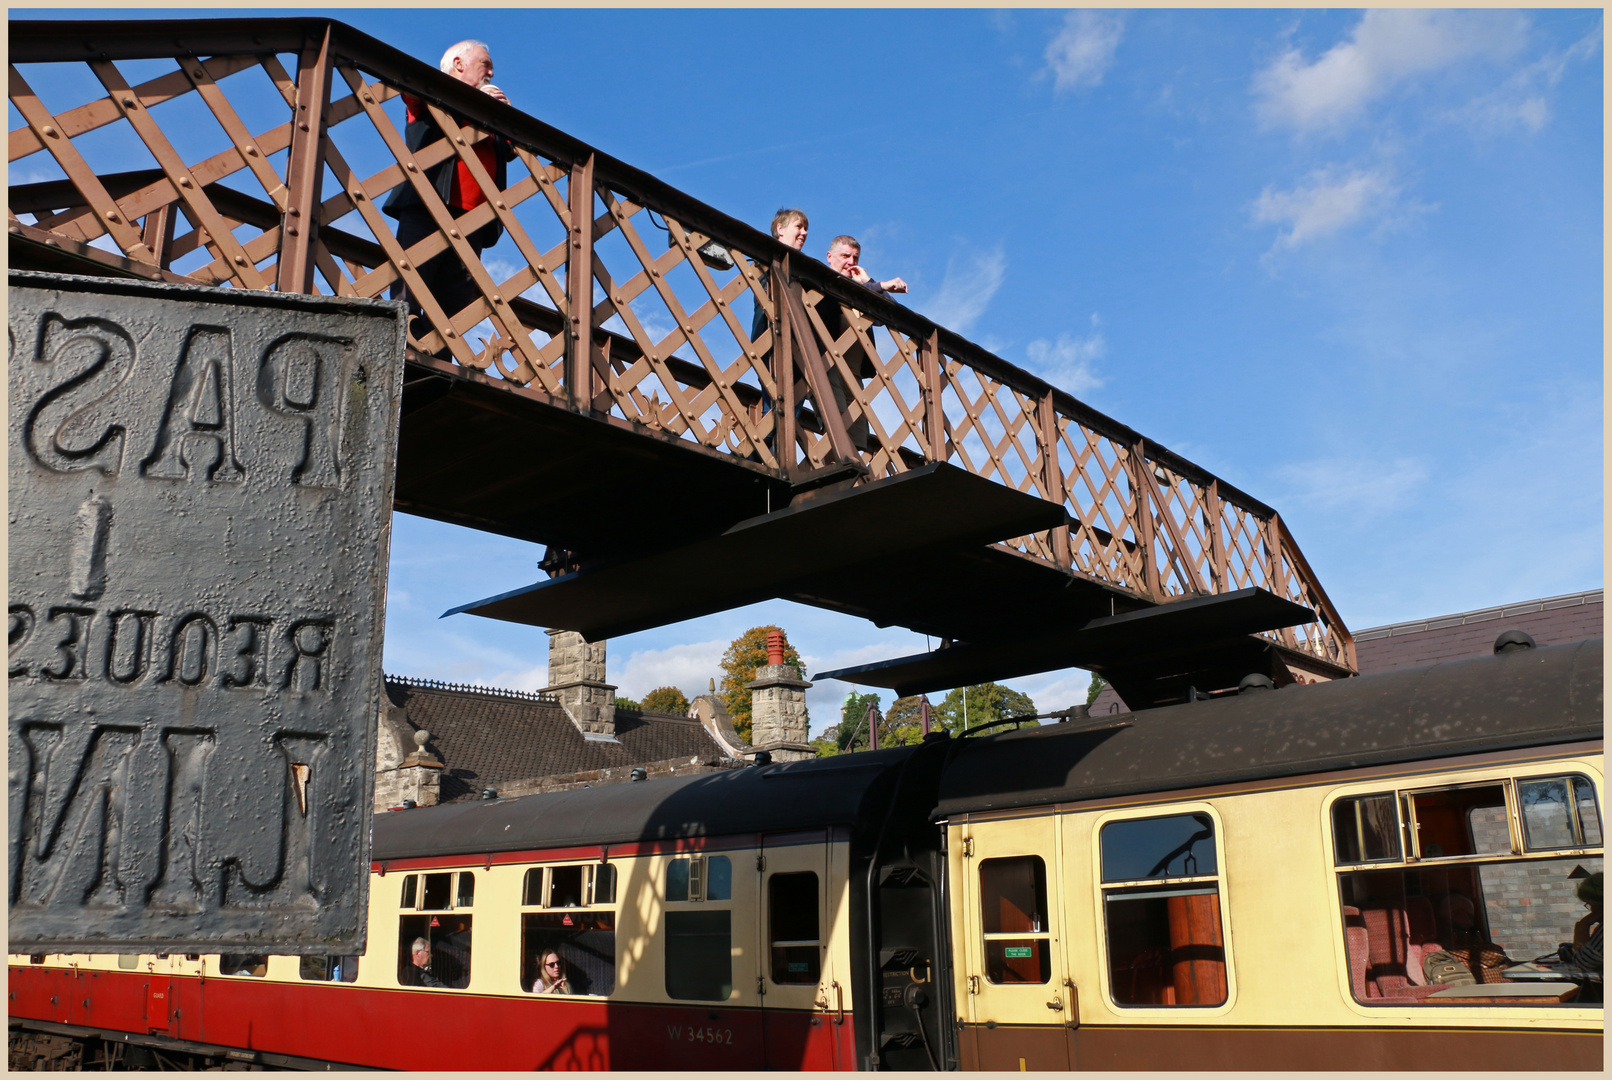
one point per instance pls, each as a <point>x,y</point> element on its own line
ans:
<point>487,737</point>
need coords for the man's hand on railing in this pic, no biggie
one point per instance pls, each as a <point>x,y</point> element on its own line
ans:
<point>493,92</point>
<point>895,284</point>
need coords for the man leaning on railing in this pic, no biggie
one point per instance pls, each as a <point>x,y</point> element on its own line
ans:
<point>444,275</point>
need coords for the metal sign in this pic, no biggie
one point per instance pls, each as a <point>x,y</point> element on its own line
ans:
<point>200,499</point>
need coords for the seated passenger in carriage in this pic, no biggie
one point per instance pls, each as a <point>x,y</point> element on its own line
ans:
<point>551,975</point>
<point>1585,951</point>
<point>419,970</point>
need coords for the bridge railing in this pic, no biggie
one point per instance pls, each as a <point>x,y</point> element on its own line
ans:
<point>260,154</point>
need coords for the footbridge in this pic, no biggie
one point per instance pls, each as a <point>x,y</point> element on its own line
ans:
<point>851,455</point>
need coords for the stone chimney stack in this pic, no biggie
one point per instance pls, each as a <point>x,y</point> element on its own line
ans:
<point>778,706</point>
<point>576,677</point>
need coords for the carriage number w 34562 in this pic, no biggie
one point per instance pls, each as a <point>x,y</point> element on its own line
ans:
<point>721,1036</point>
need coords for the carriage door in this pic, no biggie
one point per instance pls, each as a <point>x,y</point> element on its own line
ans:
<point>794,973</point>
<point>1018,1005</point>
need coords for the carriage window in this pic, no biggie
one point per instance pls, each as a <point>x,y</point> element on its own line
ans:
<point>433,950</point>
<point>699,878</point>
<point>329,968</point>
<point>411,887</point>
<point>466,896</point>
<point>1468,906</point>
<point>1013,914</point>
<point>254,964</point>
<point>438,887</point>
<point>604,884</point>
<point>1161,911</point>
<point>128,960</point>
<point>699,955</point>
<point>718,878</point>
<point>1366,829</point>
<point>793,927</point>
<point>565,886</point>
<point>1558,813</point>
<point>532,892</point>
<point>1453,822</point>
<point>580,948</point>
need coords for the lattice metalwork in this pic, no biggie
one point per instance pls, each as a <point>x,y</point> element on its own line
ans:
<point>261,154</point>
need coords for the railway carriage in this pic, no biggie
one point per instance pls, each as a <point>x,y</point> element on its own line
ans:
<point>1252,881</point>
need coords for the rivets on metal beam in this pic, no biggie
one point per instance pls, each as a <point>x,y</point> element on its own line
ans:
<point>411,167</point>
<point>251,151</point>
<point>240,260</point>
<point>303,126</point>
<point>291,230</point>
<point>130,103</point>
<point>184,182</point>
<point>293,211</point>
<point>49,131</point>
<point>460,139</point>
<point>404,265</point>
<point>358,196</point>
<point>454,233</point>
<point>500,206</point>
<point>448,333</point>
<point>112,215</point>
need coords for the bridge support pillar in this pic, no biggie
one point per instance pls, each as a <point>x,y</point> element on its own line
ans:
<point>576,677</point>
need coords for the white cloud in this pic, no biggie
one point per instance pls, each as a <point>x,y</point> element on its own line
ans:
<point>1326,203</point>
<point>689,667</point>
<point>1522,101</point>
<point>972,279</point>
<point>1067,362</point>
<point>1083,51</point>
<point>1386,48</point>
<point>1361,487</point>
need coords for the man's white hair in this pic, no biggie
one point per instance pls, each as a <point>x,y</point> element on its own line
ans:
<point>460,50</point>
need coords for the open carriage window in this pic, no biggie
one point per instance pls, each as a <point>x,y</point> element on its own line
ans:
<point>434,933</point>
<point>1484,891</point>
<point>1161,911</point>
<point>569,952</point>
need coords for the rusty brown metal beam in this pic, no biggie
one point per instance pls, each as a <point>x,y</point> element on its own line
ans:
<point>579,285</point>
<point>305,171</point>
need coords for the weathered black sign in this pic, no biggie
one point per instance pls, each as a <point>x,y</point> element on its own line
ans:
<point>200,502</point>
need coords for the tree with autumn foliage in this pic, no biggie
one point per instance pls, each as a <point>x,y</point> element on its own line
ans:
<point>666,699</point>
<point>745,654</point>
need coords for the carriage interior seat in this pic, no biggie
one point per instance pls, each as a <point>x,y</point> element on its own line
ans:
<point>1383,954</point>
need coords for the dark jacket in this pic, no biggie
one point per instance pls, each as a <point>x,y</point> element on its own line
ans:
<point>421,132</point>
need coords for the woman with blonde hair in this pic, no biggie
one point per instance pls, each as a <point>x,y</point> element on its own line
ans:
<point>551,977</point>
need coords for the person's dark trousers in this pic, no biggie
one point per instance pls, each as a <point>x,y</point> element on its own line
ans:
<point>443,274</point>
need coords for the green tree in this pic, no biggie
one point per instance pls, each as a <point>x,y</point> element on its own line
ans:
<point>981,704</point>
<point>853,729</point>
<point>745,654</point>
<point>1098,685</point>
<point>902,725</point>
<point>666,699</point>
<point>628,703</point>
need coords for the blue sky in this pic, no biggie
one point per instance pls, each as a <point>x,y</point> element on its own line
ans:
<point>1352,263</point>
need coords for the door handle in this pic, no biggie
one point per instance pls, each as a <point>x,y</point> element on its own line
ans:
<point>839,1001</point>
<point>1056,1003</point>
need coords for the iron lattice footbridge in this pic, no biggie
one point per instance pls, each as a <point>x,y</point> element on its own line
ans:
<point>602,393</point>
